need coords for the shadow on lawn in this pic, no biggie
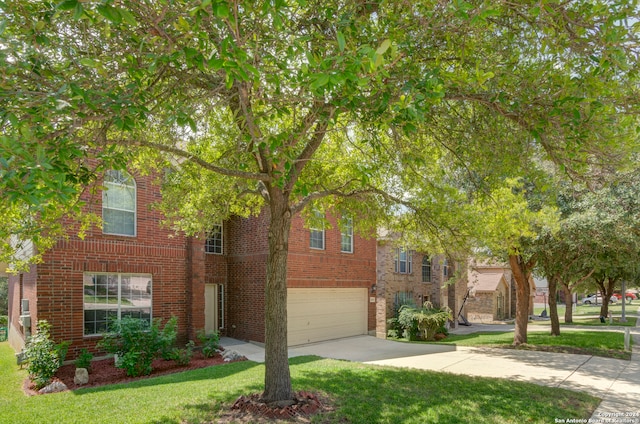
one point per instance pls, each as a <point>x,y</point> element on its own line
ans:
<point>365,394</point>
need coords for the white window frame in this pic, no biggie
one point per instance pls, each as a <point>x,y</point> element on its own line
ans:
<point>210,245</point>
<point>426,263</point>
<point>317,234</point>
<point>399,261</point>
<point>346,235</point>
<point>105,196</point>
<point>117,307</point>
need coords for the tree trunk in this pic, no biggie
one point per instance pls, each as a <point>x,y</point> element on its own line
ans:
<point>553,306</point>
<point>568,300</point>
<point>521,273</point>
<point>607,292</point>
<point>277,380</point>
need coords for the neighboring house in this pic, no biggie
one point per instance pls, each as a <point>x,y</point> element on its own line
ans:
<point>134,267</point>
<point>406,276</point>
<point>492,293</point>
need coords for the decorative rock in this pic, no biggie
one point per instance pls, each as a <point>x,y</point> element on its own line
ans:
<point>56,386</point>
<point>82,376</point>
<point>231,355</point>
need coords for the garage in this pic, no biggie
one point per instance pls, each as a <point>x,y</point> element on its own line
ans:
<point>325,313</point>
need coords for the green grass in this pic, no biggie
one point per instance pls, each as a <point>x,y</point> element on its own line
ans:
<point>360,394</point>
<point>588,315</point>
<point>594,310</point>
<point>607,344</point>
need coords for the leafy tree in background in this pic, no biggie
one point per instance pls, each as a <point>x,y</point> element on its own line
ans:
<point>4,296</point>
<point>368,108</point>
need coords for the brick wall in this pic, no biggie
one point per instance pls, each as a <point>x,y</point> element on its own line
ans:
<point>20,287</point>
<point>154,250</point>
<point>307,267</point>
<point>389,283</point>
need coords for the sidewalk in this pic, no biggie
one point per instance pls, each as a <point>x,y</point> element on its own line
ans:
<point>615,381</point>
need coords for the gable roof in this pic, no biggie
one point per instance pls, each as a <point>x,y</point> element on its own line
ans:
<point>485,281</point>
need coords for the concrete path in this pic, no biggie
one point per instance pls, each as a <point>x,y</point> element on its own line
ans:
<point>616,381</point>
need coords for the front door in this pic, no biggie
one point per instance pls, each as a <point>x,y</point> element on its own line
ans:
<point>211,308</point>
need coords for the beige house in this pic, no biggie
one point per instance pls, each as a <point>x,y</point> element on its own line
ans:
<point>492,293</point>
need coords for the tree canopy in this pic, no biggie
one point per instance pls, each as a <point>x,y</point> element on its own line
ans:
<point>369,107</point>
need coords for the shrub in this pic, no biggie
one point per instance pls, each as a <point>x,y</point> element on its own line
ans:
<point>4,320</point>
<point>84,360</point>
<point>167,338</point>
<point>42,356</point>
<point>395,329</point>
<point>425,321</point>
<point>210,343</point>
<point>62,349</point>
<point>137,343</point>
<point>183,356</point>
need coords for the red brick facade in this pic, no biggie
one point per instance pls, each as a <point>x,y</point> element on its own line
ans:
<point>180,268</point>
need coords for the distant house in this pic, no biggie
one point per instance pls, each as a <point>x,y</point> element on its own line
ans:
<point>134,267</point>
<point>405,276</point>
<point>492,293</point>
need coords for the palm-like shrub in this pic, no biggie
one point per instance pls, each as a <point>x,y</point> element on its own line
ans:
<point>426,320</point>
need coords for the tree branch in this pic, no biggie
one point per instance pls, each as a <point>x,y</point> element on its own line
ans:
<point>198,161</point>
<point>311,147</point>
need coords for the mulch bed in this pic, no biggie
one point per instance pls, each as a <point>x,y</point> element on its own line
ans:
<point>104,372</point>
<point>246,409</point>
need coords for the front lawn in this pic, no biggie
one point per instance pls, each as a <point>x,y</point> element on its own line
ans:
<point>608,344</point>
<point>360,394</point>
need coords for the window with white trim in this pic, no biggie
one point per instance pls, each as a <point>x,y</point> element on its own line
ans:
<point>426,269</point>
<point>403,261</point>
<point>214,240</point>
<point>445,268</point>
<point>346,235</point>
<point>316,239</point>
<point>114,296</point>
<point>119,204</point>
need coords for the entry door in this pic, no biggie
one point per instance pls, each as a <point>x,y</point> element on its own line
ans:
<point>211,308</point>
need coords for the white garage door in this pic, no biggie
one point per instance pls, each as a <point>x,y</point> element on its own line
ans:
<point>323,314</point>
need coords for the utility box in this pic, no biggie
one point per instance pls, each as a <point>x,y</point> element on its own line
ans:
<point>25,321</point>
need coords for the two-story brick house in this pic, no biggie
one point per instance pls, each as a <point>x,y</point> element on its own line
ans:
<point>135,267</point>
<point>406,276</point>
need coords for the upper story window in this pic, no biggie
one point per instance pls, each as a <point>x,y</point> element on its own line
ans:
<point>446,269</point>
<point>426,269</point>
<point>317,235</point>
<point>214,240</point>
<point>119,204</point>
<point>346,233</point>
<point>403,261</point>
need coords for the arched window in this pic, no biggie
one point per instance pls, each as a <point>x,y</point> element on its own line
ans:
<point>119,204</point>
<point>426,269</point>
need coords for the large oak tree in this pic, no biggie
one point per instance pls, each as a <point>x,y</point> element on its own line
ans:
<point>359,105</point>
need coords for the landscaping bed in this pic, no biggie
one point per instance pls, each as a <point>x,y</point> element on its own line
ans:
<point>104,372</point>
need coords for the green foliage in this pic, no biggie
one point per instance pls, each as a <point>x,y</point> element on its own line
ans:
<point>4,320</point>
<point>62,349</point>
<point>183,356</point>
<point>42,355</point>
<point>84,360</point>
<point>4,298</point>
<point>210,343</point>
<point>137,343</point>
<point>424,321</point>
<point>394,329</point>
